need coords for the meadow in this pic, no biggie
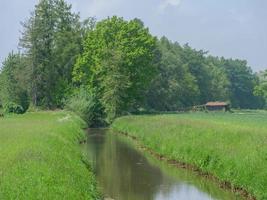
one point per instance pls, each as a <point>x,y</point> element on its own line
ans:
<point>41,157</point>
<point>232,147</point>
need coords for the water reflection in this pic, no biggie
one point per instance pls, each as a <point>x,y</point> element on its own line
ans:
<point>124,173</point>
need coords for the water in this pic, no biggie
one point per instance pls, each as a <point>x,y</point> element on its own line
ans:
<point>126,173</point>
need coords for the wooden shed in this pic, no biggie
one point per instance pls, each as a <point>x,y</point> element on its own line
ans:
<point>217,106</point>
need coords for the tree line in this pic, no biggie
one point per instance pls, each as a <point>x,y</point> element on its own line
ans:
<point>112,67</point>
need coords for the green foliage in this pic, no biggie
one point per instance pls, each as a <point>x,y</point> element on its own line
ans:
<point>13,108</point>
<point>219,88</point>
<point>117,64</point>
<point>243,81</point>
<point>195,61</point>
<point>186,77</point>
<point>52,40</point>
<point>174,86</point>
<point>41,158</point>
<point>13,81</point>
<point>86,106</point>
<point>260,90</point>
<point>230,146</point>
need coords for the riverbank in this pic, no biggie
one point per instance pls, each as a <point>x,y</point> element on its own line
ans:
<point>231,147</point>
<point>41,157</point>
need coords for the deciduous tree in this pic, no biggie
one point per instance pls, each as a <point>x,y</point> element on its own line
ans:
<point>117,64</point>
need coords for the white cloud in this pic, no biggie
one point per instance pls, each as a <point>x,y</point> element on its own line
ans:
<point>168,3</point>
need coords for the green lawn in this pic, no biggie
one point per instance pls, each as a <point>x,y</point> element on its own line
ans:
<point>233,147</point>
<point>41,158</point>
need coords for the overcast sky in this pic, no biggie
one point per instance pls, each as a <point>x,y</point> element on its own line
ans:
<point>230,28</point>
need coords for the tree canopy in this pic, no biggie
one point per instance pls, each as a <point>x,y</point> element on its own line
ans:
<point>117,64</point>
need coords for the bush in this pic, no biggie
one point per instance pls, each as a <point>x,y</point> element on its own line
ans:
<point>13,108</point>
<point>84,104</point>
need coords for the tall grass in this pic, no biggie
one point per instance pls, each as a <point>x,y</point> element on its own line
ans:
<point>41,158</point>
<point>233,147</point>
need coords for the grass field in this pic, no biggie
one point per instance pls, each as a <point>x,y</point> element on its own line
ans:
<point>233,147</point>
<point>41,158</point>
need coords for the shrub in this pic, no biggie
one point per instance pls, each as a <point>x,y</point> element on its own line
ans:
<point>13,108</point>
<point>85,104</point>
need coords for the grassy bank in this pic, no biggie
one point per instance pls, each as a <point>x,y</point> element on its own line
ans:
<point>233,147</point>
<point>41,158</point>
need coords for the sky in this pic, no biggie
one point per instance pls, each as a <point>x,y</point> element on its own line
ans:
<point>229,28</point>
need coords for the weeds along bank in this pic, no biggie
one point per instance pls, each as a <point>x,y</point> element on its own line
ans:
<point>230,146</point>
<point>41,158</point>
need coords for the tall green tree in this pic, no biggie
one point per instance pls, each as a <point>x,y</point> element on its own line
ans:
<point>51,41</point>
<point>117,64</point>
<point>219,86</point>
<point>174,87</point>
<point>243,81</point>
<point>195,61</point>
<point>260,90</point>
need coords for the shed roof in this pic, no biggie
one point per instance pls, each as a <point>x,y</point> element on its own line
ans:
<point>217,103</point>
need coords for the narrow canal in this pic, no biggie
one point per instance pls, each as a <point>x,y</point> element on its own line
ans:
<point>126,173</point>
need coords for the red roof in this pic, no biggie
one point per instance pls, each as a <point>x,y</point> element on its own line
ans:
<point>217,103</point>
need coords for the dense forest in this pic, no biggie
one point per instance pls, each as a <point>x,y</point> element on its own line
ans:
<point>105,69</point>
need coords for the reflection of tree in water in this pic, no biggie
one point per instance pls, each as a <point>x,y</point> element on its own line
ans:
<point>96,139</point>
<point>122,171</point>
